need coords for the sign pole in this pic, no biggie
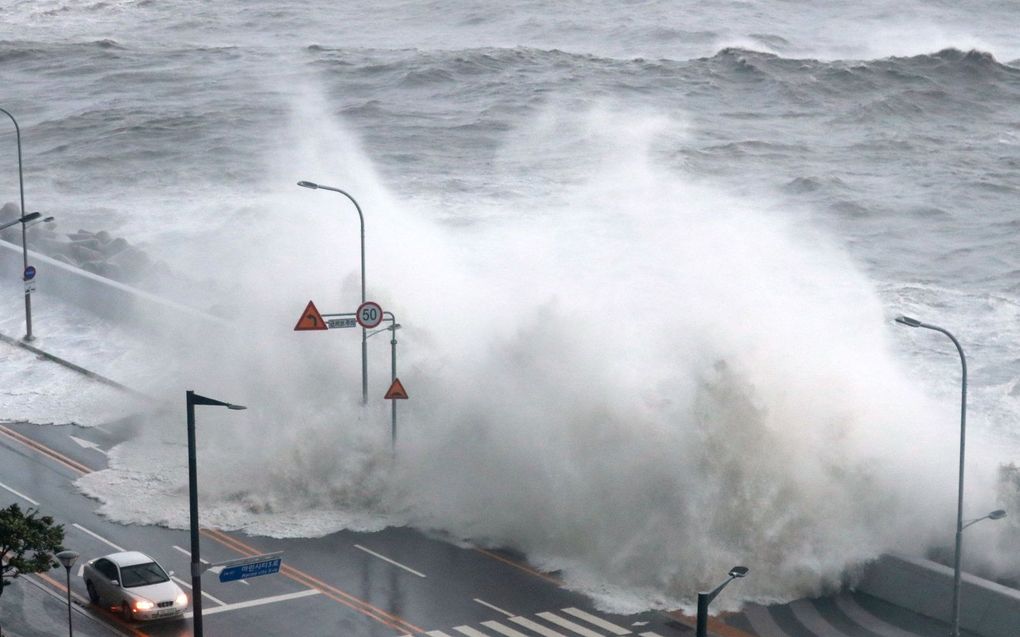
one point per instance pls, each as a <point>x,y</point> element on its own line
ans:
<point>393,377</point>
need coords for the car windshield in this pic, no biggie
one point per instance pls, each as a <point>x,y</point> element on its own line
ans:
<point>142,575</point>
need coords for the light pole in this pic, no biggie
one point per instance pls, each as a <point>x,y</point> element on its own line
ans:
<point>24,242</point>
<point>68,558</point>
<point>998,514</point>
<point>704,599</point>
<point>912,322</point>
<point>196,566</point>
<point>32,216</point>
<point>394,326</point>
<point>364,334</point>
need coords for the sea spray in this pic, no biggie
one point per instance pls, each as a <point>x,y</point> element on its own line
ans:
<point>647,383</point>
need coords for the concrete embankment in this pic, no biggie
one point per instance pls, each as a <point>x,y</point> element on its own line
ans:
<point>926,587</point>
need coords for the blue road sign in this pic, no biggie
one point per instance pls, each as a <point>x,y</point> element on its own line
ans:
<point>30,273</point>
<point>244,571</point>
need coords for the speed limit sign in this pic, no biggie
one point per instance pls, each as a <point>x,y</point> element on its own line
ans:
<point>369,315</point>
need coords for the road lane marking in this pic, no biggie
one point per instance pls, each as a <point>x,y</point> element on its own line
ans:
<point>854,611</point>
<point>649,634</point>
<point>436,633</point>
<point>386,559</point>
<point>257,602</point>
<point>495,608</point>
<point>596,621</point>
<point>328,590</point>
<point>807,614</point>
<point>43,449</point>
<point>19,494</point>
<point>517,565</point>
<point>87,444</point>
<point>98,537</point>
<point>569,625</point>
<point>204,594</point>
<point>503,630</point>
<point>188,553</point>
<point>538,628</point>
<point>470,632</point>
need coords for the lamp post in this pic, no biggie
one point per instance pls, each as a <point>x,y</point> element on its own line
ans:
<point>196,566</point>
<point>394,326</point>
<point>704,599</point>
<point>68,558</point>
<point>24,243</point>
<point>32,216</point>
<point>998,514</point>
<point>912,322</point>
<point>364,334</point>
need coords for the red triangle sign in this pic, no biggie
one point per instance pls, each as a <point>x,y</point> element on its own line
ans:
<point>310,320</point>
<point>396,390</point>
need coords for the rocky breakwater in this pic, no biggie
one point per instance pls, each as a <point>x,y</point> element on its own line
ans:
<point>96,252</point>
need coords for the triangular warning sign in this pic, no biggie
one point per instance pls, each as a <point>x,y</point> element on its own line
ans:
<point>396,390</point>
<point>310,320</point>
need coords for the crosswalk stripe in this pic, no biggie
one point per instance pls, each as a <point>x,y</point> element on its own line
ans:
<point>597,621</point>
<point>470,632</point>
<point>807,614</point>
<point>569,625</point>
<point>538,628</point>
<point>762,622</point>
<point>848,605</point>
<point>436,633</point>
<point>503,630</point>
<point>649,634</point>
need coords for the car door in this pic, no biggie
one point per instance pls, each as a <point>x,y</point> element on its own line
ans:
<point>104,584</point>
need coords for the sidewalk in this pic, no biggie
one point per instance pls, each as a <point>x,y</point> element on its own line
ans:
<point>30,608</point>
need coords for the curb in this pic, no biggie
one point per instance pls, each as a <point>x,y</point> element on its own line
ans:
<point>77,368</point>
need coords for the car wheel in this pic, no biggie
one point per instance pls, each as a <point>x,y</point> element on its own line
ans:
<point>125,610</point>
<point>93,595</point>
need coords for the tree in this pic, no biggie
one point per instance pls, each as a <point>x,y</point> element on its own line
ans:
<point>28,543</point>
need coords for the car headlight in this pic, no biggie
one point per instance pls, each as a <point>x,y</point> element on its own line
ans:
<point>144,604</point>
<point>182,600</point>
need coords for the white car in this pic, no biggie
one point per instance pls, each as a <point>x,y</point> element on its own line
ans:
<point>135,584</point>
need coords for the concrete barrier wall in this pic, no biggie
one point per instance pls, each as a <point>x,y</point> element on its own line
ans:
<point>100,295</point>
<point>986,608</point>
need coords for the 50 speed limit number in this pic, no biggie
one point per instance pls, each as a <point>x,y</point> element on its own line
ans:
<point>369,315</point>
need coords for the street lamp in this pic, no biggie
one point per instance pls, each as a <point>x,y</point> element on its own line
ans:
<point>704,599</point>
<point>24,242</point>
<point>32,216</point>
<point>998,514</point>
<point>394,326</point>
<point>912,322</point>
<point>38,221</point>
<point>196,566</point>
<point>68,558</point>
<point>364,334</point>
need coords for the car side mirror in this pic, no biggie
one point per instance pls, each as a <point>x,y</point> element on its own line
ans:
<point>115,582</point>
